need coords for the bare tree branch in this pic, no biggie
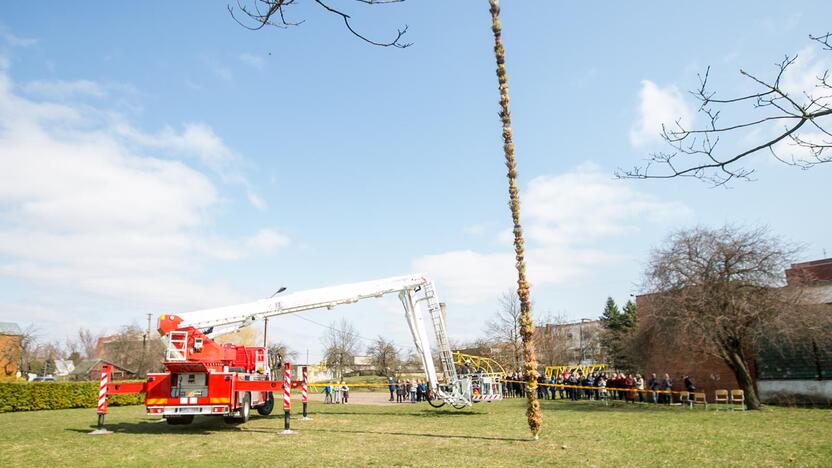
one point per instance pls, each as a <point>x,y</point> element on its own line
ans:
<point>257,14</point>
<point>696,152</point>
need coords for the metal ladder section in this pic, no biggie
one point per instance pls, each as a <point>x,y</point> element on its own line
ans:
<point>445,355</point>
<point>177,346</point>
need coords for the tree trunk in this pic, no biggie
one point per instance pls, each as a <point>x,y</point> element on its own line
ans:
<point>744,378</point>
<point>525,319</point>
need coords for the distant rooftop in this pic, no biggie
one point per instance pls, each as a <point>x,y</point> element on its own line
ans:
<point>9,328</point>
<point>817,271</point>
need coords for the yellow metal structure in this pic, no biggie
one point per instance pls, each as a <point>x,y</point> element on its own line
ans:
<point>586,370</point>
<point>487,365</point>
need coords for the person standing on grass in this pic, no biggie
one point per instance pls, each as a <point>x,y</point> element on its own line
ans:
<point>667,385</point>
<point>345,392</point>
<point>327,394</point>
<point>654,385</point>
<point>559,382</point>
<point>552,382</point>
<point>572,391</point>
<point>689,386</point>
<point>412,391</point>
<point>602,388</point>
<point>612,383</point>
<point>629,384</point>
<point>640,387</point>
<point>399,392</point>
<point>590,382</point>
<point>391,385</point>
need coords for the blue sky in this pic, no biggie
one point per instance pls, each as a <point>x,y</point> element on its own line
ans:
<point>157,157</point>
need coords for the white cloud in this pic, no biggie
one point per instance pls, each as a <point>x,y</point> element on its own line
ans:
<point>800,80</point>
<point>268,240</point>
<point>658,106</point>
<point>17,41</point>
<point>84,207</point>
<point>252,60</point>
<point>468,277</point>
<point>200,141</point>
<point>566,220</point>
<point>59,89</point>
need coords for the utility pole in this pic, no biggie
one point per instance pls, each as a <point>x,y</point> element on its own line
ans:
<point>145,337</point>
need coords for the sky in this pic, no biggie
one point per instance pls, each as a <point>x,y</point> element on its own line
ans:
<point>159,158</point>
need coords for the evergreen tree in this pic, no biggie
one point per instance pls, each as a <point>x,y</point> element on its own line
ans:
<point>619,324</point>
<point>629,317</point>
<point>611,318</point>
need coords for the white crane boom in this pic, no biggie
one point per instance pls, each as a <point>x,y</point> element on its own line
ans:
<point>300,301</point>
<point>412,291</point>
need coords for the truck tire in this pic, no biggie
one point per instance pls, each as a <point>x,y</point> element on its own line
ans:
<point>245,408</point>
<point>242,414</point>
<point>266,408</point>
<point>179,420</point>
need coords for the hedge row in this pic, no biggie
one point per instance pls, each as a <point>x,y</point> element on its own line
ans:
<point>57,395</point>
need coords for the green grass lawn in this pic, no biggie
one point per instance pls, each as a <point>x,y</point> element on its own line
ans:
<point>575,433</point>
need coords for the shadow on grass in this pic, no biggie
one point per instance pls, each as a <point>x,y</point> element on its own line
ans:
<point>593,405</point>
<point>406,434</point>
<point>202,426</point>
<point>423,413</point>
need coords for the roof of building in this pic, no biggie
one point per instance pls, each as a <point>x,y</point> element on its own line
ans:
<point>64,366</point>
<point>9,328</point>
<point>86,365</point>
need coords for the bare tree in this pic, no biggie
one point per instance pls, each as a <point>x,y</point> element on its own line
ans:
<point>383,355</point>
<point>256,14</point>
<point>550,343</point>
<point>279,353</point>
<point>88,341</point>
<point>129,349</point>
<point>799,119</point>
<point>535,420</point>
<point>341,344</point>
<point>28,344</point>
<point>504,327</point>
<point>718,291</point>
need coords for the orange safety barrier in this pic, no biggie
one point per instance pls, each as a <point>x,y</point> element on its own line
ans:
<point>594,388</point>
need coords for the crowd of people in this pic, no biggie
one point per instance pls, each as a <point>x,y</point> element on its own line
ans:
<point>407,390</point>
<point>575,385</point>
<point>337,393</point>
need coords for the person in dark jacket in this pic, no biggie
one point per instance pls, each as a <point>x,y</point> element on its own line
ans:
<point>667,384</point>
<point>654,385</point>
<point>689,386</point>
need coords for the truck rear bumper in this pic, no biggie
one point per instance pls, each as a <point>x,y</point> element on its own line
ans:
<point>220,410</point>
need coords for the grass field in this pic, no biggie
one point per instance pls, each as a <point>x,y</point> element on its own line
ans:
<point>576,433</point>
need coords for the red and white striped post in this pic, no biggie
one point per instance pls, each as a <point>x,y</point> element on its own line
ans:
<point>304,392</point>
<point>287,396</point>
<point>106,374</point>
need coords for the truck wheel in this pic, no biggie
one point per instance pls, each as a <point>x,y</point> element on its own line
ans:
<point>266,408</point>
<point>179,420</point>
<point>245,407</point>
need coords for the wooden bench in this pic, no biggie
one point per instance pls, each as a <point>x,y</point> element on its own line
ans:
<point>699,399</point>
<point>721,399</point>
<point>737,397</point>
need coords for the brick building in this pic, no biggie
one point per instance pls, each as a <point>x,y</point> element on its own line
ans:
<point>709,373</point>
<point>11,345</point>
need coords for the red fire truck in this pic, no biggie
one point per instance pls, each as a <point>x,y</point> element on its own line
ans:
<point>203,377</point>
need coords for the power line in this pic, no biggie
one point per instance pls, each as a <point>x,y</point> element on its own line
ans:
<point>369,340</point>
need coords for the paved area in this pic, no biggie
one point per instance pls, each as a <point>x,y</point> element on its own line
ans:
<point>357,398</point>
